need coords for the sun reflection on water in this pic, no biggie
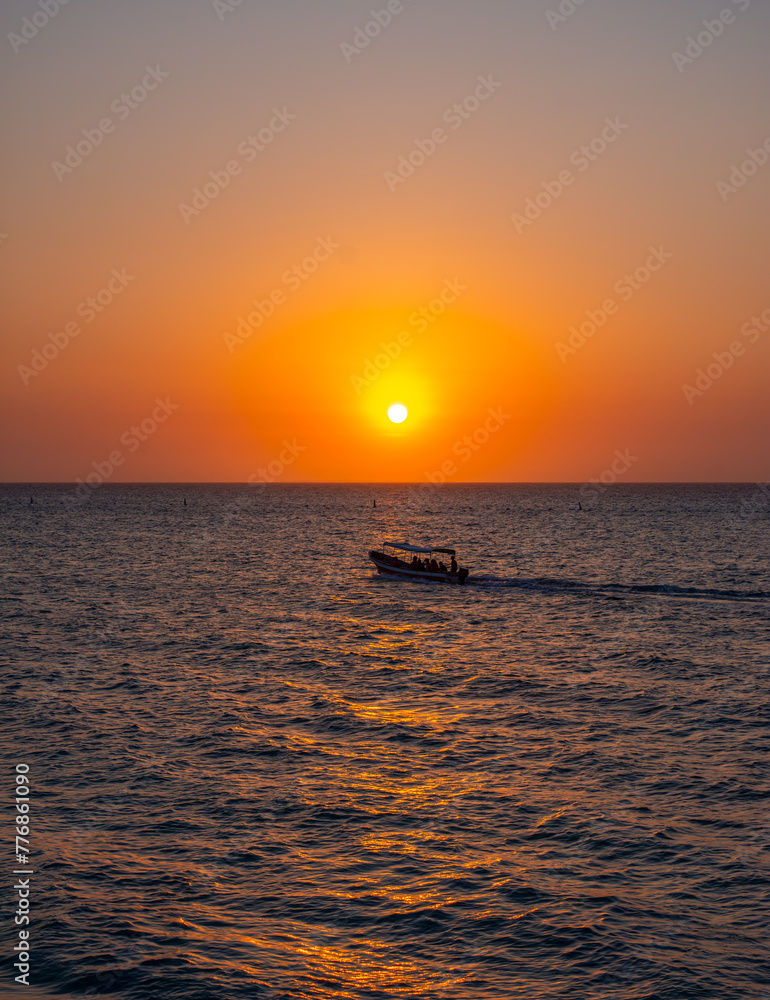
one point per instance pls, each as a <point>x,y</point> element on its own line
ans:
<point>344,971</point>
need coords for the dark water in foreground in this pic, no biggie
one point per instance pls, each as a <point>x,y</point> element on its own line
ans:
<point>257,770</point>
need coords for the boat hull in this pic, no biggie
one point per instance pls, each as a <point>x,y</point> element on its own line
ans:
<point>386,568</point>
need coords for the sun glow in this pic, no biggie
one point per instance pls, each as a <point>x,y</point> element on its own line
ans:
<point>398,413</point>
<point>339,402</point>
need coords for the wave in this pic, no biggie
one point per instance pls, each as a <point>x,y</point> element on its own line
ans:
<point>550,584</point>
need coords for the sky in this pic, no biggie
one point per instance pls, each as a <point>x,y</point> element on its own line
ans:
<point>235,233</point>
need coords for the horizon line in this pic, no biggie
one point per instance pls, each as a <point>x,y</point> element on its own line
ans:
<point>402,482</point>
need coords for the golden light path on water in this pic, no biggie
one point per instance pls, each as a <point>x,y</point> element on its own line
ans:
<point>268,772</point>
<point>367,963</point>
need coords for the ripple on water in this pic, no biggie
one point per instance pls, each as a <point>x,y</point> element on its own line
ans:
<point>248,784</point>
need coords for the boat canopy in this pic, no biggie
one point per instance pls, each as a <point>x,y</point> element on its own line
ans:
<point>406,547</point>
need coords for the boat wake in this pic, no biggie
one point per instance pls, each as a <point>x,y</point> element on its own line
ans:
<point>615,590</point>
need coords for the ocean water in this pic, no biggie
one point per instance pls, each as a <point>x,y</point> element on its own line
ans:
<point>256,769</point>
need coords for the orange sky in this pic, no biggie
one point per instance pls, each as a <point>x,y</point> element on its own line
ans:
<point>553,173</point>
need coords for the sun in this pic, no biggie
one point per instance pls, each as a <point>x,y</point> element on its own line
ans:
<point>398,413</point>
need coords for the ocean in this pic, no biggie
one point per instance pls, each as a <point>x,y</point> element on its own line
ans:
<point>257,770</point>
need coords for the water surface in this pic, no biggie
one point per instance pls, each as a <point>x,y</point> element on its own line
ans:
<point>259,770</point>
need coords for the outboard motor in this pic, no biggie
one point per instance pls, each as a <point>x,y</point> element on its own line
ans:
<point>461,574</point>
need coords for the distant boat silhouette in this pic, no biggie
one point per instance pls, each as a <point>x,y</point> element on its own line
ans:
<point>393,565</point>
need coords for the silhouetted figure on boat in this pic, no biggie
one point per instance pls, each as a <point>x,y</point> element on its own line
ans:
<point>414,565</point>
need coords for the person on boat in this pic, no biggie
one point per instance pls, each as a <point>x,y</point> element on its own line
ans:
<point>441,568</point>
<point>415,562</point>
<point>453,565</point>
<point>433,566</point>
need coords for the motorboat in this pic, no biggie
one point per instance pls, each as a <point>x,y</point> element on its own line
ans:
<point>414,561</point>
